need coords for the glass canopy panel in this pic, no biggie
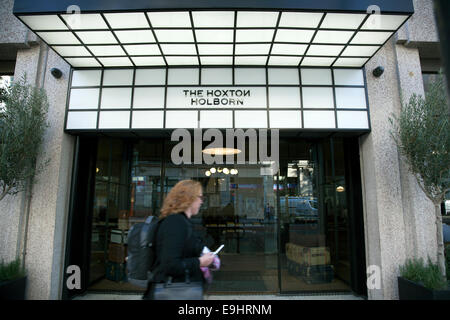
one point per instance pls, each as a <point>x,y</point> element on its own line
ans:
<point>72,51</point>
<point>364,37</point>
<point>360,51</point>
<point>179,49</point>
<point>148,61</point>
<point>170,19</point>
<point>150,77</point>
<point>261,35</point>
<point>384,22</point>
<point>248,49</point>
<point>350,62</point>
<point>142,49</point>
<point>256,60</point>
<point>316,76</point>
<point>135,36</point>
<point>342,21</point>
<point>284,61</point>
<point>115,62</point>
<point>96,37</point>
<point>216,60</point>
<point>122,77</point>
<point>214,35</point>
<point>216,19</point>
<point>324,50</point>
<point>325,36</point>
<point>252,19</point>
<point>292,49</point>
<point>175,61</point>
<point>127,20</point>
<point>83,62</point>
<point>287,35</point>
<point>85,21</point>
<point>283,76</point>
<point>86,78</point>
<point>217,76</point>
<point>348,77</point>
<point>174,35</point>
<point>58,37</point>
<point>313,61</point>
<point>107,50</point>
<point>215,49</point>
<point>45,22</point>
<point>300,19</point>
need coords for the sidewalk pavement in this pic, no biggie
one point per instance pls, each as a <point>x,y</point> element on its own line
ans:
<point>104,296</point>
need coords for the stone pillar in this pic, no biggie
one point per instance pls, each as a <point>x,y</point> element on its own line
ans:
<point>399,219</point>
<point>381,180</point>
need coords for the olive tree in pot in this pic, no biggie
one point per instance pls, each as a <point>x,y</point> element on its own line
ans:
<point>23,121</point>
<point>422,134</point>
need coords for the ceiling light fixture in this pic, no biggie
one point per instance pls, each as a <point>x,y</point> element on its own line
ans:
<point>219,170</point>
<point>221,151</point>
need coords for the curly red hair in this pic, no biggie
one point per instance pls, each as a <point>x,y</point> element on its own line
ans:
<point>181,197</point>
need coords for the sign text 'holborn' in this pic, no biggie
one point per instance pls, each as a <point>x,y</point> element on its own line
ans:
<point>217,97</point>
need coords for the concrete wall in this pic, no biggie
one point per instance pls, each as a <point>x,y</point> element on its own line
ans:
<point>12,30</point>
<point>13,36</point>
<point>421,27</point>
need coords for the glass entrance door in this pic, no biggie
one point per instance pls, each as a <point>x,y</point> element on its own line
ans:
<point>314,248</point>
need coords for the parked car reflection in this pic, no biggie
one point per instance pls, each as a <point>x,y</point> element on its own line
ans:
<point>300,209</point>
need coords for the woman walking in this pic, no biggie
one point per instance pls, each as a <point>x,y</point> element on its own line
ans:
<point>178,249</point>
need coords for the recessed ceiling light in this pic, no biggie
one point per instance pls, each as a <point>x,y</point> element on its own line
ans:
<point>221,151</point>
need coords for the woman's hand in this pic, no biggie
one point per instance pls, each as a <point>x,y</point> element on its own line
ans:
<point>206,259</point>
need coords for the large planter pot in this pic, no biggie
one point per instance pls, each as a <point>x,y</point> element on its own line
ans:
<point>409,290</point>
<point>13,289</point>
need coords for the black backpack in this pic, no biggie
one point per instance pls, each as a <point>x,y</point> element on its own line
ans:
<point>142,252</point>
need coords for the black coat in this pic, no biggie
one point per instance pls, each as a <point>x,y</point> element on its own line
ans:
<point>177,246</point>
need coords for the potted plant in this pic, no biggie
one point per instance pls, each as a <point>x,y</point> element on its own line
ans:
<point>420,281</point>
<point>12,281</point>
<point>422,134</point>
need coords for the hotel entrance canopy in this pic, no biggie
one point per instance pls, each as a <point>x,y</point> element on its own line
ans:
<point>171,33</point>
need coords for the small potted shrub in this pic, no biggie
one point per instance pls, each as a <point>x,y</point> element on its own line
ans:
<point>420,281</point>
<point>12,281</point>
<point>447,260</point>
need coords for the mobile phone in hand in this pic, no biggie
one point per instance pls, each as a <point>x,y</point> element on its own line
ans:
<point>218,250</point>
